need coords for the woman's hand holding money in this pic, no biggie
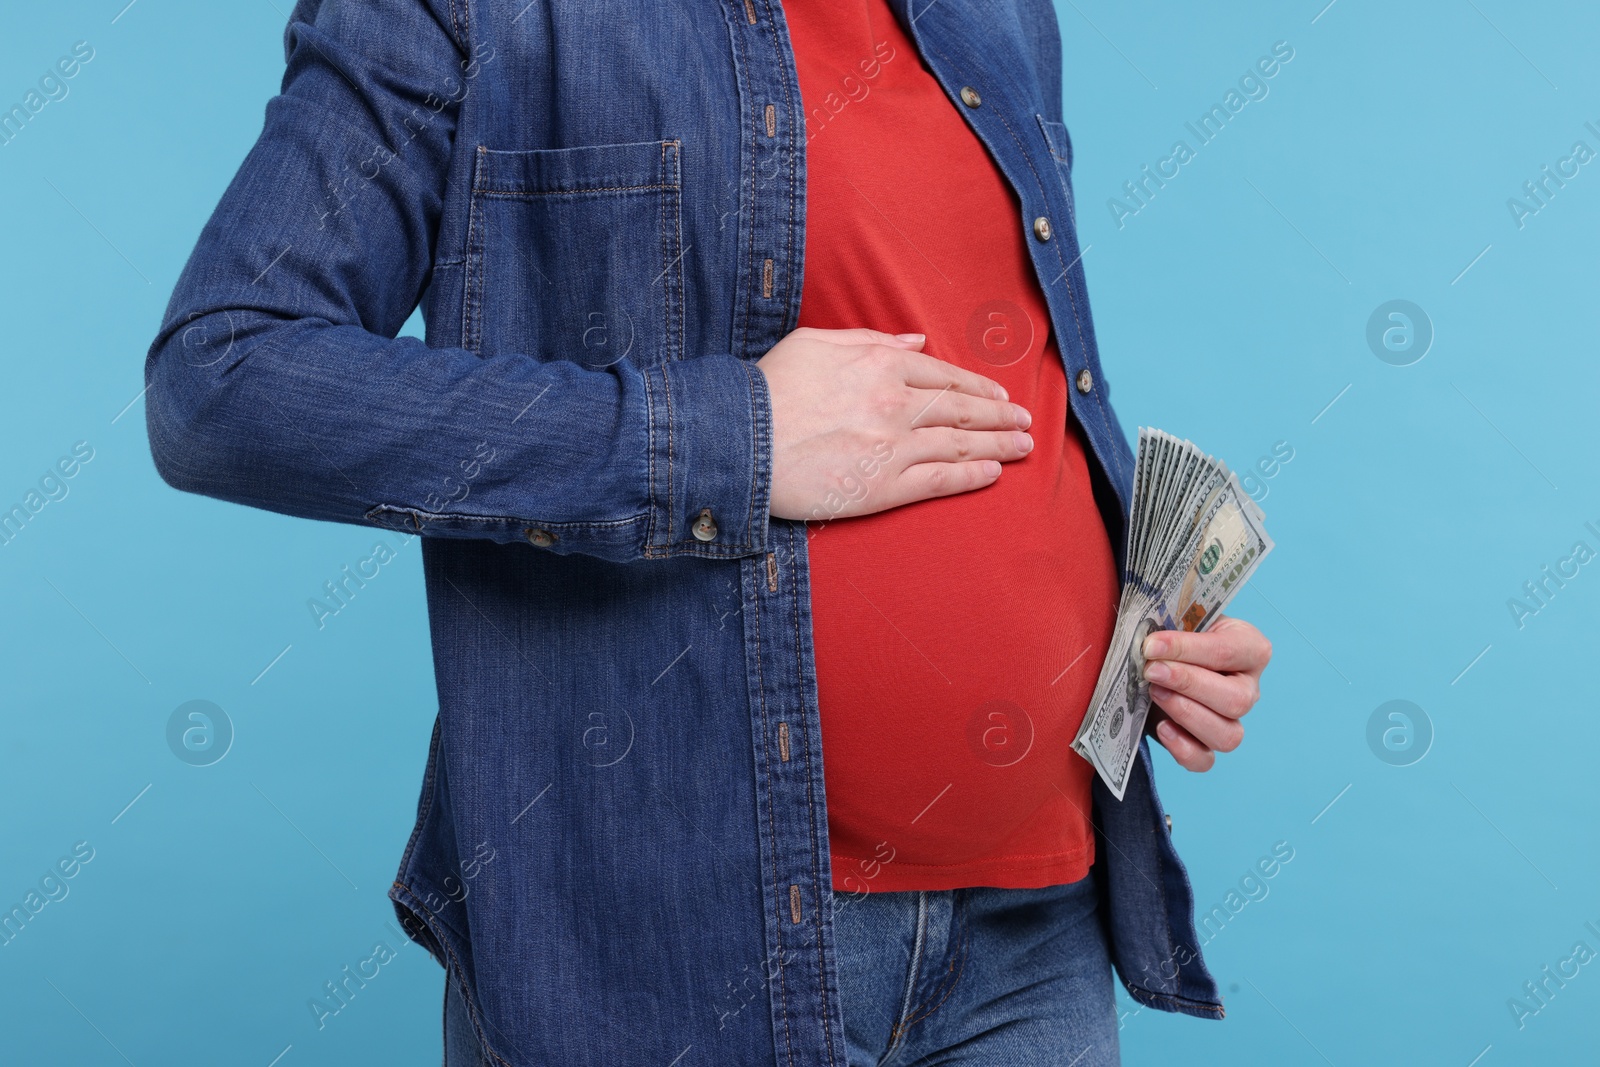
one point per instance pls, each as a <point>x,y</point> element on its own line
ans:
<point>1203,684</point>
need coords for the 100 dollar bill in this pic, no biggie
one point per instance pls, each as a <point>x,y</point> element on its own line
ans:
<point>1218,548</point>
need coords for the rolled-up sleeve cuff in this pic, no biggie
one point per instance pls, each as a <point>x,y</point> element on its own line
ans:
<point>710,462</point>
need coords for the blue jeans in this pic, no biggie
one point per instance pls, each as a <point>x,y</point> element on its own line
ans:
<point>981,976</point>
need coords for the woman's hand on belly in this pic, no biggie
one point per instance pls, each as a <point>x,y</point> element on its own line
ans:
<point>863,421</point>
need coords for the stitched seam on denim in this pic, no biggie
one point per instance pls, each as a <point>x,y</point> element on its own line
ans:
<point>758,435</point>
<point>444,1017</point>
<point>1139,990</point>
<point>772,826</point>
<point>794,221</point>
<point>473,274</point>
<point>817,886</point>
<point>425,806</point>
<point>477,252</point>
<point>755,450</point>
<point>445,944</point>
<point>666,261</point>
<point>961,961</point>
<point>672,488</point>
<point>462,41</point>
<point>953,952</point>
<point>696,550</point>
<point>466,995</point>
<point>680,281</point>
<point>672,256</point>
<point>650,539</point>
<point>750,251</point>
<point>493,520</point>
<point>919,937</point>
<point>466,23</point>
<point>1044,125</point>
<point>1166,908</point>
<point>594,190</point>
<point>477,1058</point>
<point>421,909</point>
<point>674,279</point>
<point>949,987</point>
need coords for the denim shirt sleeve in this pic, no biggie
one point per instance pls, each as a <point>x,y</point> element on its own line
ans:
<point>277,379</point>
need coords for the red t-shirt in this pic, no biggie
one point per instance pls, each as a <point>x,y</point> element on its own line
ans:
<point>957,639</point>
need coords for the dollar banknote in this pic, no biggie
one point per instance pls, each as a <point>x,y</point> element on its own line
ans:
<point>1194,538</point>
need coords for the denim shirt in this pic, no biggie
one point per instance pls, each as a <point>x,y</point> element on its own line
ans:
<point>621,846</point>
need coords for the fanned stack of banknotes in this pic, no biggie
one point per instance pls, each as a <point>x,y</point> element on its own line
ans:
<point>1194,538</point>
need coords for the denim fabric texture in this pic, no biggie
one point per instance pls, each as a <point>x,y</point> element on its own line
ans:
<point>462,1047</point>
<point>620,850</point>
<point>983,975</point>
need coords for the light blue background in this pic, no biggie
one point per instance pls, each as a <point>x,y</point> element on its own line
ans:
<point>1231,309</point>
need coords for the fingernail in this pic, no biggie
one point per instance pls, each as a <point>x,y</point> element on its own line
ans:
<point>1156,671</point>
<point>1024,418</point>
<point>1154,648</point>
<point>911,338</point>
<point>991,468</point>
<point>1000,392</point>
<point>1024,442</point>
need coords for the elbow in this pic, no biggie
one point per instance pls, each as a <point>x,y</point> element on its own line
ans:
<point>173,451</point>
<point>179,398</point>
<point>176,449</point>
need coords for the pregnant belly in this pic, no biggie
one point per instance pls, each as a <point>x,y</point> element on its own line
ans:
<point>957,644</point>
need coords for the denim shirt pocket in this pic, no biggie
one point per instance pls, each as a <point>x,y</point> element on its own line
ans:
<point>575,253</point>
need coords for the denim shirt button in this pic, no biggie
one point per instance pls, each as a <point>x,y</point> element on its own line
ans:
<point>970,97</point>
<point>1085,380</point>
<point>705,528</point>
<point>1041,228</point>
<point>1169,824</point>
<point>542,538</point>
